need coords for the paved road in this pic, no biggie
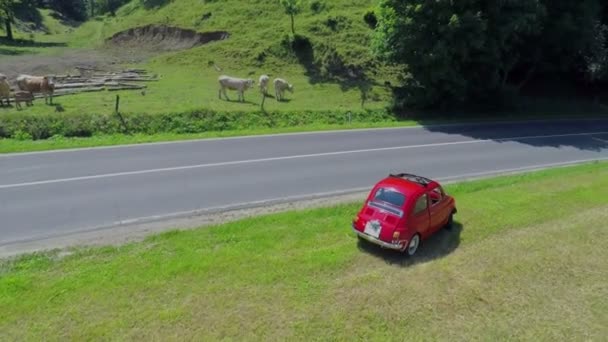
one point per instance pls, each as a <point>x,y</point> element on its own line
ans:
<point>48,194</point>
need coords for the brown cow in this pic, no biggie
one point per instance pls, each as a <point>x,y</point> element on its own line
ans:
<point>37,84</point>
<point>5,90</point>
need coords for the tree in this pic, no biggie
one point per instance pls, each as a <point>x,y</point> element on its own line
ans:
<point>73,9</point>
<point>7,15</point>
<point>292,8</point>
<point>596,57</point>
<point>458,52</point>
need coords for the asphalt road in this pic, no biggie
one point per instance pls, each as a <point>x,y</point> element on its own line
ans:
<point>57,193</point>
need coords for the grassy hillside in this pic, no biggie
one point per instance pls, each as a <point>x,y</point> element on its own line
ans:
<point>332,68</point>
<point>329,62</point>
<point>524,267</point>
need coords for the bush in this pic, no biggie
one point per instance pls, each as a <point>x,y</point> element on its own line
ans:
<point>337,23</point>
<point>371,19</point>
<point>45,126</point>
<point>317,6</point>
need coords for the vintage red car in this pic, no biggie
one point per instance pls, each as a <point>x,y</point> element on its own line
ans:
<point>402,210</point>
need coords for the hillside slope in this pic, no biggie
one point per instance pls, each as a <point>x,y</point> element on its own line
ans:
<point>329,61</point>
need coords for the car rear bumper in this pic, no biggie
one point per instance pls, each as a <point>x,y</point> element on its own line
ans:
<point>383,244</point>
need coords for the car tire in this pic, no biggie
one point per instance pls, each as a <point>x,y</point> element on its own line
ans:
<point>413,245</point>
<point>450,223</point>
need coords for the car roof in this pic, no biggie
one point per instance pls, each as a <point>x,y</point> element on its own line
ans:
<point>409,184</point>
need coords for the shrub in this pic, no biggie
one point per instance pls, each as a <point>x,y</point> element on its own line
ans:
<point>45,126</point>
<point>317,6</point>
<point>371,19</point>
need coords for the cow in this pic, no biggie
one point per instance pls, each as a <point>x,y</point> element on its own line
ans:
<point>280,85</point>
<point>263,83</point>
<point>5,90</point>
<point>23,96</point>
<point>233,83</point>
<point>37,84</point>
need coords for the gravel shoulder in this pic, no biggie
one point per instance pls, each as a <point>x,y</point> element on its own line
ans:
<point>133,232</point>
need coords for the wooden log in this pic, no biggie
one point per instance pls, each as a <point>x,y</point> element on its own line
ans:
<point>128,79</point>
<point>125,88</point>
<point>79,85</point>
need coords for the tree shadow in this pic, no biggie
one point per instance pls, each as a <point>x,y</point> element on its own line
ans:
<point>582,134</point>
<point>242,102</point>
<point>331,68</point>
<point>547,113</point>
<point>26,12</point>
<point>66,21</point>
<point>13,52</point>
<point>154,4</point>
<point>441,244</point>
<point>30,43</point>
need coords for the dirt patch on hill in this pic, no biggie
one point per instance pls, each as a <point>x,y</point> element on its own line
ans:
<point>164,38</point>
<point>132,46</point>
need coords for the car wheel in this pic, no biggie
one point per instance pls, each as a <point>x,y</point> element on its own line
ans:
<point>450,223</point>
<point>412,246</point>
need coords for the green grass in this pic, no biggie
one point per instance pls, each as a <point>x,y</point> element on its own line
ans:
<point>526,261</point>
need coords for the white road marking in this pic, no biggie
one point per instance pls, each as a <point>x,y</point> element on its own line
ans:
<point>281,200</point>
<point>270,135</point>
<point>600,140</point>
<point>301,156</point>
<point>442,180</point>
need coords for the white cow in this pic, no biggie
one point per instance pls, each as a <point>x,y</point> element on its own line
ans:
<point>263,83</point>
<point>233,83</point>
<point>5,90</point>
<point>280,85</point>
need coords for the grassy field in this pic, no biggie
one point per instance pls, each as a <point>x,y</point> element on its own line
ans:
<point>337,43</point>
<point>526,261</point>
<point>189,82</point>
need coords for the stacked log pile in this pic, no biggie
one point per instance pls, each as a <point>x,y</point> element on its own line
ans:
<point>91,80</point>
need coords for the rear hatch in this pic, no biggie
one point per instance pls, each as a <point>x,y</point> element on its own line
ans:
<point>379,220</point>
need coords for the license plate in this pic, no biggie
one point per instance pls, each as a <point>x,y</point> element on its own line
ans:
<point>372,228</point>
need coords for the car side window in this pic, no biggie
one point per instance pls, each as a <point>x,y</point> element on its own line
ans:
<point>436,196</point>
<point>421,204</point>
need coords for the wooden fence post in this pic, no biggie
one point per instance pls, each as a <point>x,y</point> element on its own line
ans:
<point>122,120</point>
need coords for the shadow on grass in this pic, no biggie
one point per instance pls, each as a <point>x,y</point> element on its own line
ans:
<point>13,52</point>
<point>441,244</point>
<point>331,68</point>
<point>30,43</point>
<point>243,102</point>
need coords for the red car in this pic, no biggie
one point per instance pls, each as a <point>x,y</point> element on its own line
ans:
<point>402,210</point>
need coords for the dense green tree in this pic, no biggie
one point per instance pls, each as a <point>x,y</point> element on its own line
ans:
<point>73,9</point>
<point>109,6</point>
<point>471,50</point>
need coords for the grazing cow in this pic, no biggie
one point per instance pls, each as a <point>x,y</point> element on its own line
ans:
<point>264,80</point>
<point>5,90</point>
<point>37,84</point>
<point>232,83</point>
<point>280,85</point>
<point>23,96</point>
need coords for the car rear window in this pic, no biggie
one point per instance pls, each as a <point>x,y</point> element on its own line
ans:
<point>390,196</point>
